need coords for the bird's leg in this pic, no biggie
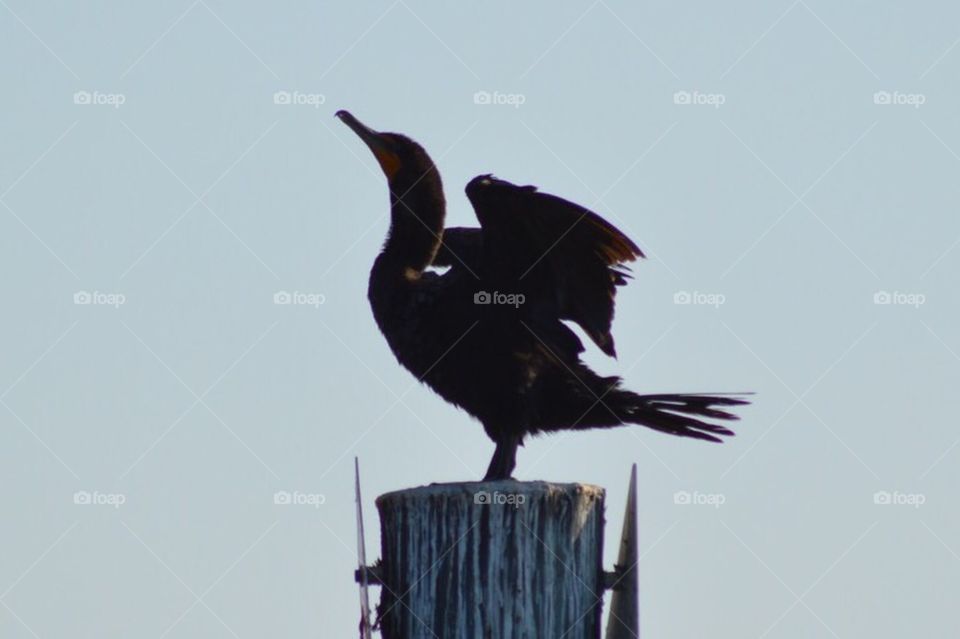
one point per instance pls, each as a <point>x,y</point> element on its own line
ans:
<point>504,458</point>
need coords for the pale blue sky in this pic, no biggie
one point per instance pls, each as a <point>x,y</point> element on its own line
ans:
<point>198,198</point>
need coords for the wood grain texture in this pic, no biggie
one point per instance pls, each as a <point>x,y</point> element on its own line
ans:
<point>482,560</point>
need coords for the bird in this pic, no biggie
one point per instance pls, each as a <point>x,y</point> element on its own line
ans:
<point>479,314</point>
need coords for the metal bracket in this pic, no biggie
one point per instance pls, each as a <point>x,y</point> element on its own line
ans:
<point>371,574</point>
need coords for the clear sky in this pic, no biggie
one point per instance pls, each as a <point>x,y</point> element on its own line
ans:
<point>787,166</point>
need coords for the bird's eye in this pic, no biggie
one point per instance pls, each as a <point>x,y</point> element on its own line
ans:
<point>486,182</point>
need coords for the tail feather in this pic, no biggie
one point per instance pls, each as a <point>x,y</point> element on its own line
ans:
<point>677,414</point>
<point>585,400</point>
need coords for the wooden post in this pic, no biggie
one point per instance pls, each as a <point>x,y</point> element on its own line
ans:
<point>505,559</point>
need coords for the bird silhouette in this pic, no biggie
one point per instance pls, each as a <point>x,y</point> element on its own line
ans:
<point>488,334</point>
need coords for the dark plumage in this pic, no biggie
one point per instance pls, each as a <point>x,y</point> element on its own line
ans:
<point>508,359</point>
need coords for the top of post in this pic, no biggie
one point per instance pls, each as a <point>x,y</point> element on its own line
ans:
<point>477,489</point>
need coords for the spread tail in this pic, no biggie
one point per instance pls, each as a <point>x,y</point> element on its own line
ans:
<point>678,414</point>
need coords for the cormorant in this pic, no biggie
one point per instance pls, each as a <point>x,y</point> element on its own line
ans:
<point>488,334</point>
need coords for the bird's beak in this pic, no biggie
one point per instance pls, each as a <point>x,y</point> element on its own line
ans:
<point>381,148</point>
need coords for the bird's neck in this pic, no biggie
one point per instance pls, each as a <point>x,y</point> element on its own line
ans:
<point>416,224</point>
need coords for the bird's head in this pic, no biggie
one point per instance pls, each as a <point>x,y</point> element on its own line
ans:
<point>417,206</point>
<point>403,161</point>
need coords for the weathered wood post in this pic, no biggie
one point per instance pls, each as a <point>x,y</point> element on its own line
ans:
<point>505,559</point>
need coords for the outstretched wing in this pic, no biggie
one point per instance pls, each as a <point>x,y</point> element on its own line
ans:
<point>560,255</point>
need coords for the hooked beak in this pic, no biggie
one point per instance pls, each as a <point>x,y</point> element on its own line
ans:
<point>381,149</point>
<point>368,135</point>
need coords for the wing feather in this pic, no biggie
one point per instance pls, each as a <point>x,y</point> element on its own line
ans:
<point>562,256</point>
